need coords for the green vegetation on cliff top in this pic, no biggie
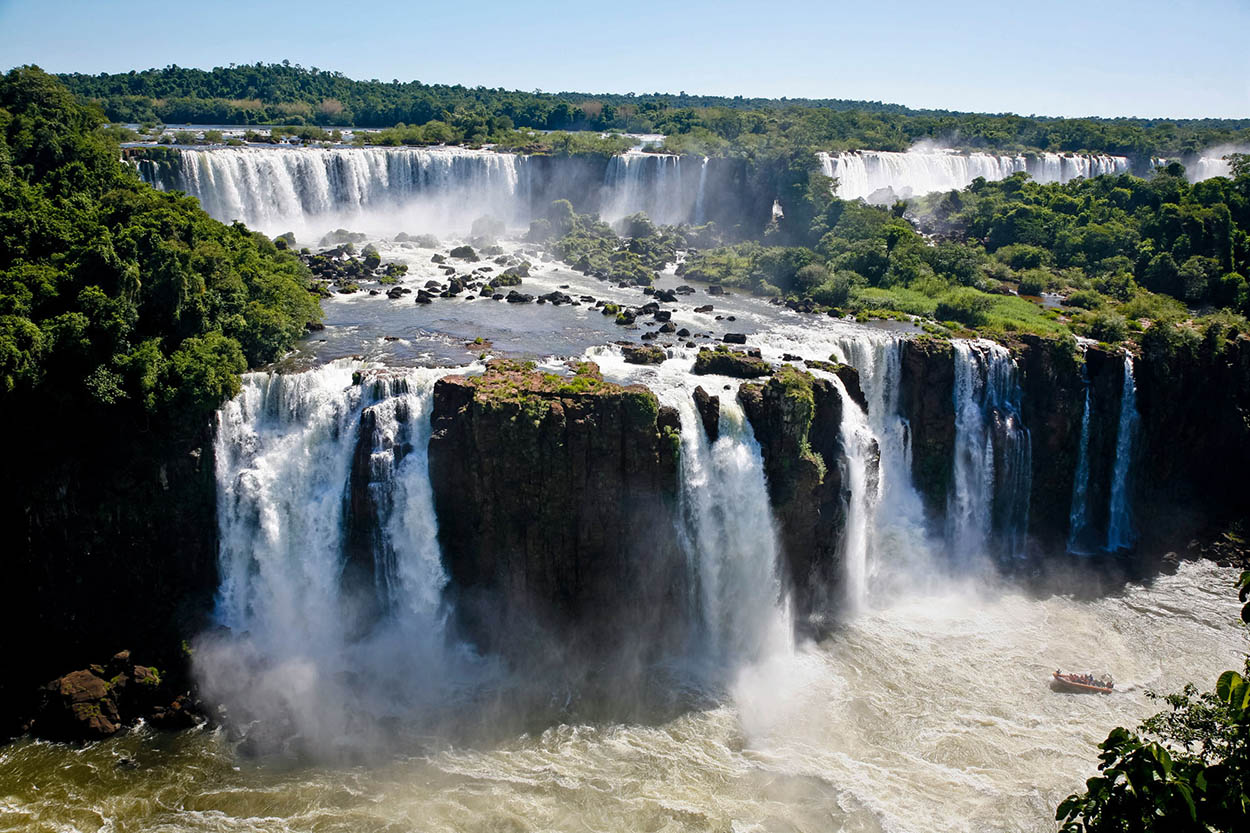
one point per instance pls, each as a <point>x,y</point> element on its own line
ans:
<point>119,302</point>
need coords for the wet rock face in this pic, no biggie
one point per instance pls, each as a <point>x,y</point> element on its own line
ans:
<point>1193,449</point>
<point>556,503</point>
<point>927,401</point>
<point>797,421</point>
<point>708,406</point>
<point>1053,401</point>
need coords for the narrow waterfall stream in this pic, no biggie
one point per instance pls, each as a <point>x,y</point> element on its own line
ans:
<point>860,447</point>
<point>1079,515</point>
<point>1120,534</point>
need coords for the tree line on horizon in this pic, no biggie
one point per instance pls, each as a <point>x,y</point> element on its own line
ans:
<point>286,94</point>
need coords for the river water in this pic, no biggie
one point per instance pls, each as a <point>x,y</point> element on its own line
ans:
<point>933,712</point>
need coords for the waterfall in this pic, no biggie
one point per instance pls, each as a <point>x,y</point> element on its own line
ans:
<point>285,450</point>
<point>897,546</point>
<point>312,190</point>
<point>700,217</point>
<point>987,507</point>
<point>882,176</point>
<point>731,530</point>
<point>860,479</point>
<point>1078,518</point>
<point>297,455</point>
<point>1120,534</point>
<point>651,183</point>
<point>728,531</point>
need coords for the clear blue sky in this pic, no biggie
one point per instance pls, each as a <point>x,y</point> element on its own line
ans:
<point>1062,57</point>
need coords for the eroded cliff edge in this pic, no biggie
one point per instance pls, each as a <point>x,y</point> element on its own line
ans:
<point>556,499</point>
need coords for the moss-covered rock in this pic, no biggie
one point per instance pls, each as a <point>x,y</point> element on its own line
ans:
<point>797,420</point>
<point>722,361</point>
<point>644,354</point>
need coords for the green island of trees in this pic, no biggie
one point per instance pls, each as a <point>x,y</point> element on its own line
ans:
<point>1117,257</point>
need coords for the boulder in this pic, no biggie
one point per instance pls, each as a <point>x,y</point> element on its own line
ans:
<point>644,354</point>
<point>722,361</point>
<point>735,338</point>
<point>708,406</point>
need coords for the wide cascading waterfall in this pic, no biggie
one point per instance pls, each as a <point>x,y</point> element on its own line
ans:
<point>1078,516</point>
<point>651,183</point>
<point>311,190</point>
<point>298,455</point>
<point>886,175</point>
<point>987,507</point>
<point>1120,533</point>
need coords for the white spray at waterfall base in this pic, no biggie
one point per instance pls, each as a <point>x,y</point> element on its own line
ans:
<point>298,654</point>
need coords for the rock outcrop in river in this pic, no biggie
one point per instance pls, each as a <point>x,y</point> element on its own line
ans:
<point>556,501</point>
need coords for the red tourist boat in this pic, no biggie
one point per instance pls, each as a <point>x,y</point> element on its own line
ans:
<point>1085,682</point>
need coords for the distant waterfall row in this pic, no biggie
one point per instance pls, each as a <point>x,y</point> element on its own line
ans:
<point>880,176</point>
<point>281,189</point>
<point>440,190</point>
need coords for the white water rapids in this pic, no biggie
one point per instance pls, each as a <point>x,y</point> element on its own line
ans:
<point>932,713</point>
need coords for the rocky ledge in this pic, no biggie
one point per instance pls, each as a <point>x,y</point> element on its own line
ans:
<point>556,498</point>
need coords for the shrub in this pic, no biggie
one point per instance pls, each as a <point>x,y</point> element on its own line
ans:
<point>1085,299</point>
<point>833,292</point>
<point>967,306</point>
<point>1108,327</point>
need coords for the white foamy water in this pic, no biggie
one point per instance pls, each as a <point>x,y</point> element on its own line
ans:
<point>933,713</point>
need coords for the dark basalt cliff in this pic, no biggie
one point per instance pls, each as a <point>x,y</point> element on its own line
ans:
<point>927,400</point>
<point>110,549</point>
<point>1194,446</point>
<point>556,500</point>
<point>1189,459</point>
<point>797,421</point>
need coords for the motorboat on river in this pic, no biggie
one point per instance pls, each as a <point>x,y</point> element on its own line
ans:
<point>1099,684</point>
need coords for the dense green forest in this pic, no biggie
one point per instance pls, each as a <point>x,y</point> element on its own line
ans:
<point>115,297</point>
<point>285,94</point>
<point>1120,251</point>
